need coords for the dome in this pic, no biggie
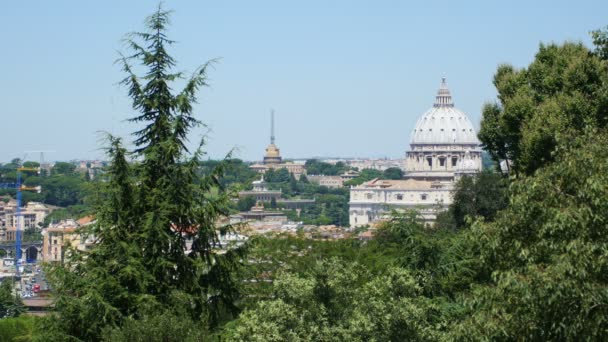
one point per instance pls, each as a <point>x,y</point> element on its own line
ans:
<point>272,151</point>
<point>444,124</point>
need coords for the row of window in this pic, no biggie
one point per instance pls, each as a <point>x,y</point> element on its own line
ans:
<point>423,197</point>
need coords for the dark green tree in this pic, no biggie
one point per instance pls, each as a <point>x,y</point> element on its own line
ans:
<point>63,168</point>
<point>245,203</point>
<point>482,195</point>
<point>10,304</point>
<point>392,173</point>
<point>146,212</point>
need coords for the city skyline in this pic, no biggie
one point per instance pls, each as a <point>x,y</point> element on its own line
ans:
<point>346,80</point>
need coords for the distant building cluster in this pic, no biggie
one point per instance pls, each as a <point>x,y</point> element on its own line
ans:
<point>443,147</point>
<point>32,216</point>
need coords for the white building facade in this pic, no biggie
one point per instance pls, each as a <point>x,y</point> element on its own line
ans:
<point>443,146</point>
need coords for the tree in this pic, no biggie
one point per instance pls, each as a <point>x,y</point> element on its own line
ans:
<point>482,195</point>
<point>63,168</point>
<point>339,301</point>
<point>392,173</point>
<point>147,211</point>
<point>10,304</point>
<point>245,203</point>
<point>564,90</point>
<point>547,253</point>
<point>364,176</point>
<point>600,40</point>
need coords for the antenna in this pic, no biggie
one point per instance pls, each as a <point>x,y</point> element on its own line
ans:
<point>41,155</point>
<point>272,126</point>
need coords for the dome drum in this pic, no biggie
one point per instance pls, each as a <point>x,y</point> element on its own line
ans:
<point>441,138</point>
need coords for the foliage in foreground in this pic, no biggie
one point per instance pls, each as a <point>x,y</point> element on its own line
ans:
<point>146,213</point>
<point>10,304</point>
<point>338,301</point>
<point>17,328</point>
<point>549,253</point>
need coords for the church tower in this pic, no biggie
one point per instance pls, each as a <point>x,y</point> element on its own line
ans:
<point>272,155</point>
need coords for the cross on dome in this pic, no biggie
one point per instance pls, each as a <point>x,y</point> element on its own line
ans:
<point>443,98</point>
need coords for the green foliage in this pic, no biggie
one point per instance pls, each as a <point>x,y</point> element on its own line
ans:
<point>17,329</point>
<point>392,173</point>
<point>548,253</point>
<point>563,91</point>
<point>277,176</point>
<point>146,212</point>
<point>63,168</point>
<point>600,40</point>
<point>167,326</point>
<point>10,304</point>
<point>316,167</point>
<point>482,195</point>
<point>364,176</point>
<point>32,234</point>
<point>72,212</point>
<point>236,171</point>
<point>339,301</point>
<point>245,203</point>
<point>63,188</point>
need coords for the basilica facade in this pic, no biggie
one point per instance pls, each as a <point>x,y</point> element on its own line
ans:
<point>443,147</point>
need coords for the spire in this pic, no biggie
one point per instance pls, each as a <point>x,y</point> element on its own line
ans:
<point>443,98</point>
<point>272,126</point>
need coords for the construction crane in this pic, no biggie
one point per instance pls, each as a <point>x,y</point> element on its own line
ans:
<point>19,187</point>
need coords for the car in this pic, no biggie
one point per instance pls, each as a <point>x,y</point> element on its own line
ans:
<point>36,287</point>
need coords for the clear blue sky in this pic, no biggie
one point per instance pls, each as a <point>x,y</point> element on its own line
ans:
<point>346,78</point>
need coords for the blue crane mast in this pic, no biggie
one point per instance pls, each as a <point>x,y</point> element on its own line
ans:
<point>19,187</point>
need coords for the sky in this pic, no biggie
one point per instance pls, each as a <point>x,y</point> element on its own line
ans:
<point>345,78</point>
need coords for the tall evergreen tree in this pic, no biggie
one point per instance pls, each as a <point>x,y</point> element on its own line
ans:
<point>149,211</point>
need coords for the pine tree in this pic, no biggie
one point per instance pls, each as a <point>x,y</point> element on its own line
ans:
<point>150,210</point>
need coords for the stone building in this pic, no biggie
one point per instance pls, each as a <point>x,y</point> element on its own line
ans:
<point>443,147</point>
<point>260,192</point>
<point>273,159</point>
<point>67,233</point>
<point>328,181</point>
<point>32,216</point>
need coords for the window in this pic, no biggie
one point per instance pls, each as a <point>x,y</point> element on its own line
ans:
<point>454,161</point>
<point>442,161</point>
<point>369,196</point>
<point>399,197</point>
<point>429,160</point>
<point>423,197</point>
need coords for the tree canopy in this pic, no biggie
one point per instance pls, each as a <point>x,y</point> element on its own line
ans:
<point>147,212</point>
<point>563,91</point>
